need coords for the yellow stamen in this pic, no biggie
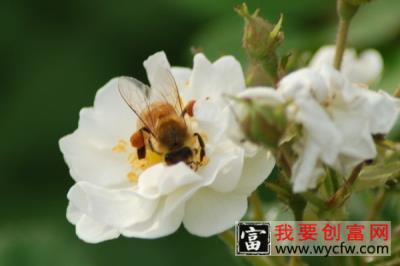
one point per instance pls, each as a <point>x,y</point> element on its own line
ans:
<point>133,177</point>
<point>151,159</point>
<point>120,147</point>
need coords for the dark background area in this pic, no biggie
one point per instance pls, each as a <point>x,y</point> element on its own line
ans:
<point>54,55</point>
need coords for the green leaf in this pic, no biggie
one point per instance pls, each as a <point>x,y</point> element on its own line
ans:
<point>376,175</point>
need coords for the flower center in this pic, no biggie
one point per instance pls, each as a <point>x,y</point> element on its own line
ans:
<point>137,166</point>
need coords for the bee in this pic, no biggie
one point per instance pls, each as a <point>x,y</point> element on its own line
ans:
<point>162,124</point>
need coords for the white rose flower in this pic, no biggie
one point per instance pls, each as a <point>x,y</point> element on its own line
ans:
<point>364,68</point>
<point>118,194</point>
<point>338,119</point>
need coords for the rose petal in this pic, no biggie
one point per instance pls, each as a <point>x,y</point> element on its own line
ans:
<point>224,76</point>
<point>153,64</point>
<point>226,165</point>
<point>159,226</point>
<point>305,170</point>
<point>114,207</point>
<point>255,170</point>
<point>73,214</point>
<point>211,119</point>
<point>160,179</point>
<point>93,232</point>
<point>365,68</point>
<point>267,95</point>
<point>90,163</point>
<point>209,212</point>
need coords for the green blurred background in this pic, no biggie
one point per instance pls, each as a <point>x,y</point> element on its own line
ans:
<point>54,55</point>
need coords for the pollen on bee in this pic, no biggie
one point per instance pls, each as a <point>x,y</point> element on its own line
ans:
<point>120,147</point>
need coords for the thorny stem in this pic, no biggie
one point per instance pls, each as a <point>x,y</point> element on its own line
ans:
<point>256,204</point>
<point>341,194</point>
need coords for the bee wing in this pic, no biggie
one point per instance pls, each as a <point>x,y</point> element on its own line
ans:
<point>165,89</point>
<point>137,96</point>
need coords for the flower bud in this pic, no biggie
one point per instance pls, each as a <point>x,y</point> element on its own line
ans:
<point>397,93</point>
<point>346,9</point>
<point>357,2</point>
<point>263,124</point>
<point>261,39</point>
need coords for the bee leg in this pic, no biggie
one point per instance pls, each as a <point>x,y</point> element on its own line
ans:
<point>141,152</point>
<point>138,141</point>
<point>193,165</point>
<point>188,108</point>
<point>202,146</point>
<point>152,147</point>
<point>145,129</point>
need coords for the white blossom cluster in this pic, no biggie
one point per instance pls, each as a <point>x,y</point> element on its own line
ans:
<point>337,113</point>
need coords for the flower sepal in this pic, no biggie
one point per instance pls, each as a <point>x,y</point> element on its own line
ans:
<point>358,2</point>
<point>262,123</point>
<point>347,8</point>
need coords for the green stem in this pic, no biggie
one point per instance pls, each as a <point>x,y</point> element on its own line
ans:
<point>228,237</point>
<point>297,203</point>
<point>331,182</point>
<point>294,261</point>
<point>341,194</point>
<point>283,162</point>
<point>277,189</point>
<point>388,144</point>
<point>341,40</point>
<point>378,204</point>
<point>345,12</point>
<point>256,205</point>
<point>314,199</point>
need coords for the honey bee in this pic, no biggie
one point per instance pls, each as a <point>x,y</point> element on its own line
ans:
<point>162,126</point>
